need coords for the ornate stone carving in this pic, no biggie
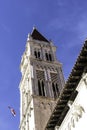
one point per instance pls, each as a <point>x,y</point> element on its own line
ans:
<point>76,114</point>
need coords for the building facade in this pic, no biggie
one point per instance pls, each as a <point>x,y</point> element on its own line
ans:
<point>70,112</point>
<point>76,117</point>
<point>41,83</point>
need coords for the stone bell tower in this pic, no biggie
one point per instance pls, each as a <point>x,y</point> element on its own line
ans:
<point>41,83</point>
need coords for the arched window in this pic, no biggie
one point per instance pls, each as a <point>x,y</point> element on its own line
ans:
<point>50,57</point>
<point>43,91</point>
<point>39,88</point>
<point>55,90</point>
<point>38,54</point>
<point>35,53</point>
<point>47,57</point>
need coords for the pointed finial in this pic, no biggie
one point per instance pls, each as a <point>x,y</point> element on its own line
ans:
<point>51,42</point>
<point>85,39</point>
<point>34,27</point>
<point>29,37</point>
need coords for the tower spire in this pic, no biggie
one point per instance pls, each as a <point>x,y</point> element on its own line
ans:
<point>41,83</point>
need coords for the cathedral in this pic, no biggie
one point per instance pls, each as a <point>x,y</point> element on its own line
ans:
<point>46,101</point>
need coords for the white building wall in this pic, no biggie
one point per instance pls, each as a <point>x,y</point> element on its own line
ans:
<point>76,118</point>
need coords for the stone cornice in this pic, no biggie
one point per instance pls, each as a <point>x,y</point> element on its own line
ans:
<point>47,63</point>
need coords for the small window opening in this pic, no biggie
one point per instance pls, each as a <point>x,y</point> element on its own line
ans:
<point>38,54</point>
<point>47,57</point>
<point>55,90</point>
<point>35,53</point>
<point>50,57</point>
<point>43,92</point>
<point>39,88</point>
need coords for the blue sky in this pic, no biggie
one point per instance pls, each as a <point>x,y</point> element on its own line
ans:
<point>62,21</point>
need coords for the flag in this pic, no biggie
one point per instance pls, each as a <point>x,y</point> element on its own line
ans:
<point>12,111</point>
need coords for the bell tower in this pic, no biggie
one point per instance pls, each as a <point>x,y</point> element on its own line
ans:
<point>41,83</point>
